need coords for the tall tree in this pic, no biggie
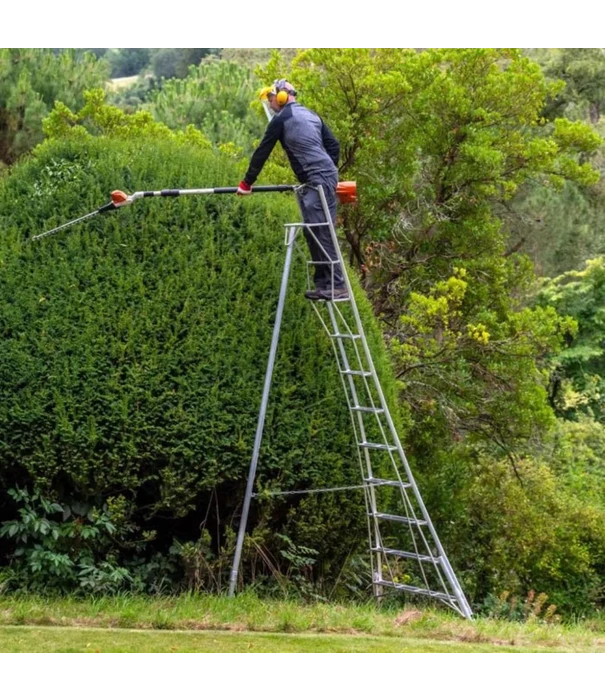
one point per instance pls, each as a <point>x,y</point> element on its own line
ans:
<point>583,72</point>
<point>437,140</point>
<point>193,57</point>
<point>165,62</point>
<point>558,228</point>
<point>31,80</point>
<point>175,63</point>
<point>561,229</point>
<point>215,97</point>
<point>126,62</point>
<point>578,380</point>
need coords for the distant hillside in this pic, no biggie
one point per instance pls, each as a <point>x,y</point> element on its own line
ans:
<point>121,83</point>
<point>254,57</point>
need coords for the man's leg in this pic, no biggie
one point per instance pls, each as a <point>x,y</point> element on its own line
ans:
<point>321,270</point>
<point>313,213</point>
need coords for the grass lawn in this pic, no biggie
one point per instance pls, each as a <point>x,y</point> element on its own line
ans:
<point>70,641</point>
<point>203,623</point>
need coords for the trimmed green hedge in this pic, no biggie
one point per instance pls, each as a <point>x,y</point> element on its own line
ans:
<point>133,349</point>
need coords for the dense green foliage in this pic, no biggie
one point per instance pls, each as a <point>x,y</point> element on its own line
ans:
<point>578,381</point>
<point>133,350</point>
<point>123,371</point>
<point>561,229</point>
<point>215,97</point>
<point>582,76</point>
<point>30,82</point>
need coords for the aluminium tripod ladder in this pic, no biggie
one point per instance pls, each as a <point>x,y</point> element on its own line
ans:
<point>405,550</point>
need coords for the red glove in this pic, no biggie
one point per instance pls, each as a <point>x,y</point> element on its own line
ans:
<point>243,188</point>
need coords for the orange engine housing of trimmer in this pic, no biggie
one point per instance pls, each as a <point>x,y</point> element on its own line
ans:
<point>346,192</point>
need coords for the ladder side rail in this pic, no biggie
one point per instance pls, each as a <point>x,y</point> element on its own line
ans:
<point>448,569</point>
<point>409,509</point>
<point>360,437</point>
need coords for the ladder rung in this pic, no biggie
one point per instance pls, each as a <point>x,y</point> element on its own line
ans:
<point>387,482</point>
<point>345,335</point>
<point>420,591</point>
<point>367,409</point>
<point>398,518</point>
<point>378,446</point>
<point>407,555</point>
<point>356,372</point>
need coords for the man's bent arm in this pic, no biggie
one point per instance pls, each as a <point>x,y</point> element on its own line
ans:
<point>259,157</point>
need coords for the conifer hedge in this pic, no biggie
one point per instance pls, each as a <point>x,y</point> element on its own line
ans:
<point>133,349</point>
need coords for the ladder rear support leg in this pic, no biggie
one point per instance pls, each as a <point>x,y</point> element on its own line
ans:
<point>290,238</point>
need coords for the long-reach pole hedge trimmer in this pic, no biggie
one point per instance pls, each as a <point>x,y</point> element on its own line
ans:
<point>346,192</point>
<point>121,199</point>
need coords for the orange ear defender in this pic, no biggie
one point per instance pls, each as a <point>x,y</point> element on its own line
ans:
<point>283,90</point>
<point>281,98</point>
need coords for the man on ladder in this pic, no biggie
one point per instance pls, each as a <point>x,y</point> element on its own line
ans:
<point>313,152</point>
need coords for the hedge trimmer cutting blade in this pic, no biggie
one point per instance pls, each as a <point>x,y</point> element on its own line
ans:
<point>118,199</point>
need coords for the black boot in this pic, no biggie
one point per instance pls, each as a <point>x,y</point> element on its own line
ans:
<point>334,294</point>
<point>315,294</point>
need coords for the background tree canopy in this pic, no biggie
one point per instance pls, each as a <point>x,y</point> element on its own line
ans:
<point>163,63</point>
<point>30,82</point>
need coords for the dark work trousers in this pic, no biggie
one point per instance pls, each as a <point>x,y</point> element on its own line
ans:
<point>313,213</point>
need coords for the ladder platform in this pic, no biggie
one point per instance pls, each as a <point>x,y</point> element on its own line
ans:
<point>397,518</point>
<point>367,409</point>
<point>302,224</point>
<point>378,446</point>
<point>350,336</point>
<point>373,481</point>
<point>421,591</point>
<point>356,373</point>
<point>407,555</point>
